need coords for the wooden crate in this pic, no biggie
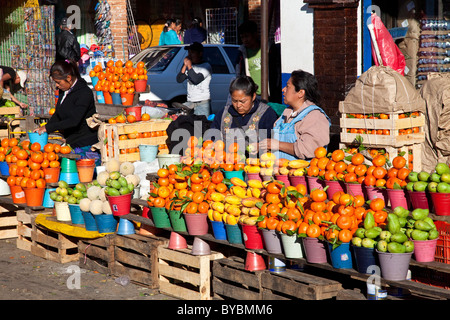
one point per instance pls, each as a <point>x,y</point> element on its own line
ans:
<point>292,284</point>
<point>52,245</point>
<point>96,254</point>
<point>10,110</point>
<point>185,276</point>
<point>394,124</point>
<point>113,147</point>
<point>8,224</point>
<point>24,227</point>
<point>232,282</point>
<point>136,256</point>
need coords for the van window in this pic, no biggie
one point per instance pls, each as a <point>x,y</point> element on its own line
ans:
<point>215,59</point>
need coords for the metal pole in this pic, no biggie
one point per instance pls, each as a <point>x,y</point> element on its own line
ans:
<point>264,50</point>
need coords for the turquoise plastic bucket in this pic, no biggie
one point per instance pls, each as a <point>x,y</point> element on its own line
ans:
<point>42,138</point>
<point>106,223</point>
<point>234,233</point>
<point>148,152</point>
<point>70,178</point>
<point>341,257</point>
<point>116,99</point>
<point>94,81</point>
<point>89,221</point>
<point>234,174</point>
<point>75,214</point>
<point>47,202</point>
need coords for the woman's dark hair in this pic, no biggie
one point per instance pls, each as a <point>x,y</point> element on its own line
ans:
<point>196,22</point>
<point>245,84</point>
<point>306,81</point>
<point>63,68</point>
<point>167,24</point>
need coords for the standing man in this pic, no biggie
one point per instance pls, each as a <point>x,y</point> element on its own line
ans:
<point>198,73</point>
<point>67,46</point>
<point>249,60</point>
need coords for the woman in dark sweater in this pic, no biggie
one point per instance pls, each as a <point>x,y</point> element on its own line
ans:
<point>75,104</point>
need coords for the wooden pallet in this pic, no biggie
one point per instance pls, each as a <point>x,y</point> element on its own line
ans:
<point>185,276</point>
<point>96,254</point>
<point>24,227</point>
<point>52,245</point>
<point>232,282</point>
<point>8,224</point>
<point>292,284</point>
<point>136,256</point>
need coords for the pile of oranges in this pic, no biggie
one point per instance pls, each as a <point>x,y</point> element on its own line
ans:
<point>118,77</point>
<point>27,162</point>
<point>131,118</point>
<point>215,154</point>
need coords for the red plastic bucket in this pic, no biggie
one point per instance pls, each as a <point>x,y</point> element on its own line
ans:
<point>253,176</point>
<point>333,187</point>
<point>441,203</point>
<point>315,183</point>
<point>18,195</point>
<point>419,199</point>
<point>120,205</point>
<point>252,237</point>
<point>140,85</point>
<point>398,198</point>
<point>284,179</point>
<point>135,111</point>
<point>296,180</point>
<point>355,189</point>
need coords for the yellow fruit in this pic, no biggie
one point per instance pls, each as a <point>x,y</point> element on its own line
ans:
<point>233,210</point>
<point>218,206</point>
<point>250,202</point>
<point>231,220</point>
<point>210,214</point>
<point>256,192</point>
<point>251,221</point>
<point>218,197</point>
<point>238,182</point>
<point>232,199</point>
<point>238,191</point>
<point>268,156</point>
<point>298,164</point>
<point>255,184</point>
<point>254,212</point>
<point>217,216</point>
<point>299,172</point>
<point>253,169</point>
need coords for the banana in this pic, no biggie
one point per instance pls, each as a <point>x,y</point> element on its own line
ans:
<point>232,199</point>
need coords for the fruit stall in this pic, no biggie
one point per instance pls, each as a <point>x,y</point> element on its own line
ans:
<point>361,222</point>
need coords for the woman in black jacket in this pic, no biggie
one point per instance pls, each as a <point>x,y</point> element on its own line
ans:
<point>75,105</point>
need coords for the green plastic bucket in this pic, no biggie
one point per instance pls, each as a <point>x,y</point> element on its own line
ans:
<point>177,220</point>
<point>160,217</point>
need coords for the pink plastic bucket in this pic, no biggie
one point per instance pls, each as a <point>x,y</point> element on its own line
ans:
<point>398,198</point>
<point>424,250</point>
<point>120,205</point>
<point>254,176</point>
<point>252,237</point>
<point>374,192</point>
<point>283,178</point>
<point>196,223</point>
<point>419,199</point>
<point>315,183</point>
<point>333,187</point>
<point>296,180</point>
<point>441,203</point>
<point>315,250</point>
<point>355,189</point>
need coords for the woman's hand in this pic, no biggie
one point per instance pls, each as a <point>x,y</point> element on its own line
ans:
<point>23,105</point>
<point>268,144</point>
<point>40,130</point>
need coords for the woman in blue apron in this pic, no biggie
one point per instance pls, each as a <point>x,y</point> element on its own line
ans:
<point>303,126</point>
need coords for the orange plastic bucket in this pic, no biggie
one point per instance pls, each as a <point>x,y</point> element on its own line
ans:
<point>51,175</point>
<point>140,85</point>
<point>18,195</point>
<point>34,196</point>
<point>108,97</point>
<point>86,168</point>
<point>127,99</point>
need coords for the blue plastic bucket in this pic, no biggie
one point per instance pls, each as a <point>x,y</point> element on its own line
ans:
<point>219,230</point>
<point>364,257</point>
<point>341,257</point>
<point>94,81</point>
<point>125,227</point>
<point>234,174</point>
<point>116,99</point>
<point>47,202</point>
<point>42,138</point>
<point>148,152</point>
<point>75,214</point>
<point>4,168</point>
<point>106,223</point>
<point>69,177</point>
<point>234,233</point>
<point>89,221</point>
<point>100,97</point>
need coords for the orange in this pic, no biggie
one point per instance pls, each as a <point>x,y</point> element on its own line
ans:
<point>379,160</point>
<point>398,162</point>
<point>357,159</point>
<point>338,155</point>
<point>131,118</point>
<point>313,231</point>
<point>345,235</point>
<point>320,152</point>
<point>377,204</point>
<point>145,117</point>
<point>35,146</point>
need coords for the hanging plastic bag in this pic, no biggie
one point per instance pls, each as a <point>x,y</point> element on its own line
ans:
<point>391,55</point>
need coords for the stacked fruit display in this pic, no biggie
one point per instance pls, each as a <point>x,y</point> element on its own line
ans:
<point>64,193</point>
<point>437,181</point>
